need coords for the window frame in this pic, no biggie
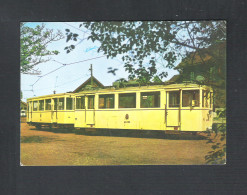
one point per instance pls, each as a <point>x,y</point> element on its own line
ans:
<point>88,97</point>
<point>125,94</point>
<point>188,106</point>
<point>55,103</point>
<point>84,103</point>
<point>41,108</point>
<point>48,104</point>
<point>37,108</point>
<point>106,96</point>
<point>169,98</point>
<point>153,93</point>
<point>59,102</point>
<point>207,97</point>
<point>72,103</point>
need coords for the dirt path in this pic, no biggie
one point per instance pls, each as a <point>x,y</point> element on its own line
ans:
<point>72,147</point>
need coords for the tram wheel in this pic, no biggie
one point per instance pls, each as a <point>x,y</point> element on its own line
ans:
<point>38,126</point>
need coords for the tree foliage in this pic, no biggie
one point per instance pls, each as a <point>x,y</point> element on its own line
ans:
<point>33,46</point>
<point>217,140</point>
<point>148,48</point>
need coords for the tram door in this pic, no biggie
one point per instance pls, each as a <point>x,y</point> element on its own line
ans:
<point>173,108</point>
<point>90,110</point>
<point>54,111</point>
<point>30,109</point>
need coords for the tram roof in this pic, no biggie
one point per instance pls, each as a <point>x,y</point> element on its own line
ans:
<point>146,87</point>
<point>51,95</point>
<point>130,88</point>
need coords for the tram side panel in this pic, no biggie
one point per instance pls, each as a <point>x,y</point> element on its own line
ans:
<point>116,119</point>
<point>80,120</point>
<point>65,117</point>
<point>191,120</point>
<point>126,119</point>
<point>45,117</point>
<point>151,119</point>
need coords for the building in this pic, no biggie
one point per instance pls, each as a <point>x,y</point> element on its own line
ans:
<point>92,82</point>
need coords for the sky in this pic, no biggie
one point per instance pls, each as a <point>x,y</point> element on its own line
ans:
<point>69,77</point>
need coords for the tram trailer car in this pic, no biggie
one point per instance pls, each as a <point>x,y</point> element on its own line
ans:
<point>175,107</point>
<point>51,110</point>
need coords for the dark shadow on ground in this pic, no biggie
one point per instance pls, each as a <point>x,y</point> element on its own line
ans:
<point>54,130</point>
<point>139,134</point>
<point>125,133</point>
<point>36,139</point>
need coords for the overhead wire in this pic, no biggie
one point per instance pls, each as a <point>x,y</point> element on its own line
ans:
<point>63,65</point>
<point>76,28</point>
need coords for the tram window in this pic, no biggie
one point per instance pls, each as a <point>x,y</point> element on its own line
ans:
<point>41,104</point>
<point>190,96</point>
<point>205,98</point>
<point>35,105</point>
<point>55,103</point>
<point>174,98</point>
<point>150,99</point>
<point>127,100</point>
<point>48,104</point>
<point>80,102</point>
<point>106,101</point>
<point>91,102</point>
<point>60,104</point>
<point>211,99</point>
<point>69,104</point>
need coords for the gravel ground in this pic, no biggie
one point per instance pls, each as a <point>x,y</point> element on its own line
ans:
<point>63,147</point>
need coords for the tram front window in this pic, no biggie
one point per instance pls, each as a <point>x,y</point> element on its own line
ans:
<point>190,98</point>
<point>174,98</point>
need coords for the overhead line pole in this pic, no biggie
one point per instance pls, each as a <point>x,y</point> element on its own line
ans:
<point>91,69</point>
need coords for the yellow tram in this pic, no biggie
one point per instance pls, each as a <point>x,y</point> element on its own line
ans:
<point>175,107</point>
<point>52,110</point>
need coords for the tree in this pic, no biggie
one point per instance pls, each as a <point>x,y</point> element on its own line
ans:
<point>143,45</point>
<point>33,45</point>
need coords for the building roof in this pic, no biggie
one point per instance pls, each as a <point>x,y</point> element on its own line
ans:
<point>24,103</point>
<point>205,54</point>
<point>174,79</point>
<point>88,82</point>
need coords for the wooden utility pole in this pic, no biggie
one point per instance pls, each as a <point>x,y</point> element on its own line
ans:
<point>91,69</point>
